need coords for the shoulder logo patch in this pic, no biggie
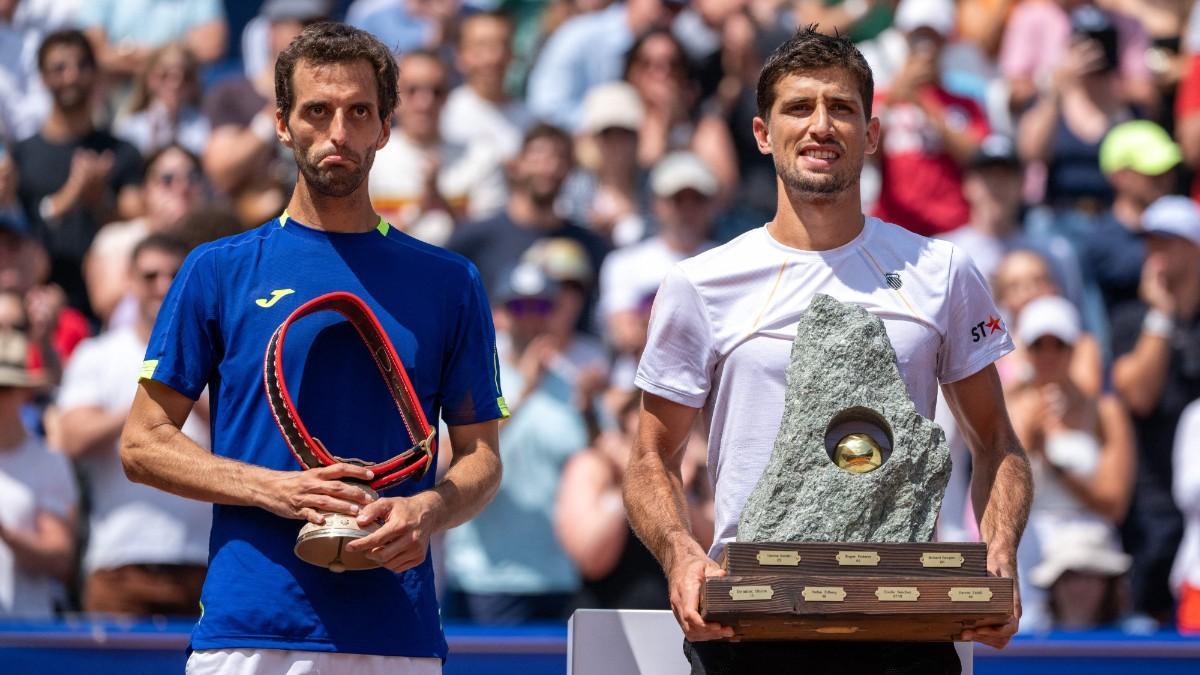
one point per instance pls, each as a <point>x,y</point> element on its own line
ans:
<point>893,280</point>
<point>275,296</point>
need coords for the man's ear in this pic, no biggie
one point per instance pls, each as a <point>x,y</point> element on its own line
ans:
<point>282,132</point>
<point>762,135</point>
<point>386,134</point>
<point>873,134</point>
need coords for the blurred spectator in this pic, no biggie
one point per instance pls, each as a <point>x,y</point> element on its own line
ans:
<point>1156,340</point>
<point>684,203</point>
<point>1164,22</point>
<point>73,176</point>
<point>1083,457</point>
<point>257,52</point>
<point>163,108</point>
<point>1043,49</point>
<point>856,20</point>
<point>1187,117</point>
<point>173,185</point>
<point>125,33</point>
<point>609,193</point>
<point>588,50</point>
<point>536,177</point>
<point>1083,99</point>
<point>421,183</point>
<point>1185,573</point>
<point>54,330</point>
<point>674,118</point>
<point>408,25</point>
<point>1139,159</point>
<point>244,158</point>
<point>1022,276</point>
<point>992,187</point>
<point>506,563</point>
<point>37,497</point>
<point>25,103</point>
<point>480,109</point>
<point>147,549</point>
<point>928,134</point>
<point>589,519</point>
<point>11,214</point>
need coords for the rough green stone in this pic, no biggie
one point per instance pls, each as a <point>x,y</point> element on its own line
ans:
<point>841,359</point>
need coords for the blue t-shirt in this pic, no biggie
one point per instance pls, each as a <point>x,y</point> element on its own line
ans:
<point>227,300</point>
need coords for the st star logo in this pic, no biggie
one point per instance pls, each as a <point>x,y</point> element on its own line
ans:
<point>985,329</point>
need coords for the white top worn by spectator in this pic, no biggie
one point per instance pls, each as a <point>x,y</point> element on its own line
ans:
<point>25,101</point>
<point>32,481</point>
<point>632,274</point>
<point>724,321</point>
<point>469,118</point>
<point>1186,489</point>
<point>469,178</point>
<point>130,523</point>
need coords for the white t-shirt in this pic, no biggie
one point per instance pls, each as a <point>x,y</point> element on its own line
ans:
<point>470,118</point>
<point>130,523</point>
<point>1186,489</point>
<point>470,179</point>
<point>32,481</point>
<point>723,323</point>
<point>630,274</point>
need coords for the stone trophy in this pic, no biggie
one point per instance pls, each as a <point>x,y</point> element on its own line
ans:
<point>834,540</point>
<point>324,544</point>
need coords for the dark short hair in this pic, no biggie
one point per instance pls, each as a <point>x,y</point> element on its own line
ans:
<point>808,51</point>
<point>631,55</point>
<point>328,42</point>
<point>153,158</point>
<point>165,243</point>
<point>66,38</point>
<point>548,131</point>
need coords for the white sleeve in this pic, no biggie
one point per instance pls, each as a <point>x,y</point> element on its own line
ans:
<point>680,354</point>
<point>975,333</point>
<point>83,379</point>
<point>58,494</point>
<point>1186,480</point>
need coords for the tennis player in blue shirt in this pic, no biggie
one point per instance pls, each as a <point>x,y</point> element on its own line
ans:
<point>265,610</point>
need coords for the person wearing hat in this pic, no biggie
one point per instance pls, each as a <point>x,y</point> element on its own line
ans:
<point>1140,160</point>
<point>684,192</point>
<point>38,496</point>
<point>1156,372</point>
<point>506,566</point>
<point>1082,452</point>
<point>929,134</point>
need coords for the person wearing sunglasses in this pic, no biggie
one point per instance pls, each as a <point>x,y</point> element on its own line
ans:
<point>1082,452</point>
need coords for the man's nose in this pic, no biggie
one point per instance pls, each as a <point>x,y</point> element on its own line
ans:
<point>338,131</point>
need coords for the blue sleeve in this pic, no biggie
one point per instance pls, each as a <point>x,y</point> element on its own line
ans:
<point>185,343</point>
<point>470,385</point>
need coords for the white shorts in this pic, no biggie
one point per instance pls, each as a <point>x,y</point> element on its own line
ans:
<point>284,662</point>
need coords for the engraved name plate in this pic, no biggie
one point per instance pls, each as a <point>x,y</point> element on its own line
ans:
<point>942,560</point>
<point>863,558</point>
<point>824,593</point>
<point>897,593</point>
<point>970,594</point>
<point>779,558</point>
<point>751,592</point>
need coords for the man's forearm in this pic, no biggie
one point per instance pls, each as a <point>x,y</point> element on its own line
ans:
<point>469,484</point>
<point>1002,491</point>
<point>162,456</point>
<point>1140,375</point>
<point>657,508</point>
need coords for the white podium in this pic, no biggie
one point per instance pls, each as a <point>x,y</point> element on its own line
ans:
<point>646,642</point>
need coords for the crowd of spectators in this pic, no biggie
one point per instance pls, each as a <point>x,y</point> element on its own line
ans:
<point>575,150</point>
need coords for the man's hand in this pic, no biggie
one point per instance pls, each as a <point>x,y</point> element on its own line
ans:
<point>308,495</point>
<point>1154,288</point>
<point>684,580</point>
<point>998,636</point>
<point>402,540</point>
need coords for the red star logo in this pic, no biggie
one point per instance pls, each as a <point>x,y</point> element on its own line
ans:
<point>994,324</point>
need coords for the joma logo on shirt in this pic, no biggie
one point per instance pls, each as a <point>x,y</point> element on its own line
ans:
<point>983,329</point>
<point>275,296</point>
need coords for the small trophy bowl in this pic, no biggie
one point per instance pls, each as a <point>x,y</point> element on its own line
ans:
<point>858,453</point>
<point>324,545</point>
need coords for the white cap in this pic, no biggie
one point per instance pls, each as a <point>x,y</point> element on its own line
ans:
<point>679,171</point>
<point>1079,547</point>
<point>609,105</point>
<point>1050,315</point>
<point>936,14</point>
<point>1173,215</point>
